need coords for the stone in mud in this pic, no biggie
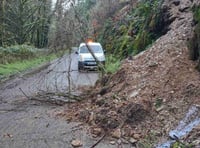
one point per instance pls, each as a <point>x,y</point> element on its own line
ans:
<point>117,133</point>
<point>97,131</point>
<point>132,140</point>
<point>76,143</point>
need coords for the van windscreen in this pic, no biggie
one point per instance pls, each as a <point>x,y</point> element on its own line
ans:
<point>95,49</point>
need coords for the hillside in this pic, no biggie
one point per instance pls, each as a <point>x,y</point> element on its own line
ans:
<point>152,91</point>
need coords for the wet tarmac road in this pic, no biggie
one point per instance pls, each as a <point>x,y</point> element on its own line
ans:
<point>30,124</point>
<point>51,77</point>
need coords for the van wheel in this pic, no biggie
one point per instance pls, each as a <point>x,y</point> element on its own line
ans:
<point>79,68</point>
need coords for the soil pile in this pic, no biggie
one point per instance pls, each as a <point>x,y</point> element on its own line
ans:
<point>152,91</point>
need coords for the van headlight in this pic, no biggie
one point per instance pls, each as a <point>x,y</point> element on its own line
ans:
<point>101,58</point>
<point>81,59</point>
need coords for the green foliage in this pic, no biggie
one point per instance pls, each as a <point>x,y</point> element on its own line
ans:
<point>158,102</point>
<point>16,53</point>
<point>134,32</point>
<point>149,141</point>
<point>182,145</point>
<point>194,43</point>
<point>142,40</point>
<point>112,64</point>
<point>196,12</point>
<point>25,21</point>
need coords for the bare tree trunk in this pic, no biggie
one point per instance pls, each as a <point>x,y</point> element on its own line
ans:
<point>2,5</point>
<point>69,73</point>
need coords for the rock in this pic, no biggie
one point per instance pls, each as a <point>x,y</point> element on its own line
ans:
<point>103,91</point>
<point>185,5</point>
<point>91,117</point>
<point>136,136</point>
<point>160,109</point>
<point>196,142</point>
<point>134,93</point>
<point>97,131</point>
<point>119,141</point>
<point>176,2</point>
<point>116,134</point>
<point>132,140</point>
<point>112,142</point>
<point>197,128</point>
<point>184,8</point>
<point>8,135</point>
<point>153,64</point>
<point>124,141</point>
<point>76,143</point>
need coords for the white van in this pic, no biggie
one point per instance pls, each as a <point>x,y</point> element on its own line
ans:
<point>85,58</point>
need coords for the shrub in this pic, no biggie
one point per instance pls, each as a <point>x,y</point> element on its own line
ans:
<point>16,53</point>
<point>112,64</point>
<point>134,32</point>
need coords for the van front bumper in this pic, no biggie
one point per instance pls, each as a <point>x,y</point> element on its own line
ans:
<point>89,64</point>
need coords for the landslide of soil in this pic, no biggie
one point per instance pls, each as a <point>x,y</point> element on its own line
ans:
<point>152,91</point>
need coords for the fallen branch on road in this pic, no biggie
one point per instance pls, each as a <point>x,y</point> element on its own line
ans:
<point>24,93</point>
<point>58,98</point>
<point>98,141</point>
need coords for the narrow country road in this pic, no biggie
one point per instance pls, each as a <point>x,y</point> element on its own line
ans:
<point>51,77</point>
<point>30,124</point>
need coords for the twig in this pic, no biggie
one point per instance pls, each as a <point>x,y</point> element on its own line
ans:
<point>98,141</point>
<point>24,93</point>
<point>60,94</point>
<point>56,98</point>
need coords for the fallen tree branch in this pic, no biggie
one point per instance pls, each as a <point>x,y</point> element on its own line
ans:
<point>51,101</point>
<point>94,145</point>
<point>24,93</point>
<point>61,94</point>
<point>57,98</point>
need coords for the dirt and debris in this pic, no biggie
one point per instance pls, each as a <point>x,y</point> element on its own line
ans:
<point>152,91</point>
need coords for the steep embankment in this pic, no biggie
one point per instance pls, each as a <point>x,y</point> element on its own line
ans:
<point>153,90</point>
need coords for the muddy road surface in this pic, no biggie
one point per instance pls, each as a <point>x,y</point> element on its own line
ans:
<point>26,123</point>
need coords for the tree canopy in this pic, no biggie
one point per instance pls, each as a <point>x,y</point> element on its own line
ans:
<point>25,21</point>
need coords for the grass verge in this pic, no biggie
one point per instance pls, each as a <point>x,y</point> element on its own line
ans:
<point>16,67</point>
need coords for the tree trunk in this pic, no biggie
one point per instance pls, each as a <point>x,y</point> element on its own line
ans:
<point>2,10</point>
